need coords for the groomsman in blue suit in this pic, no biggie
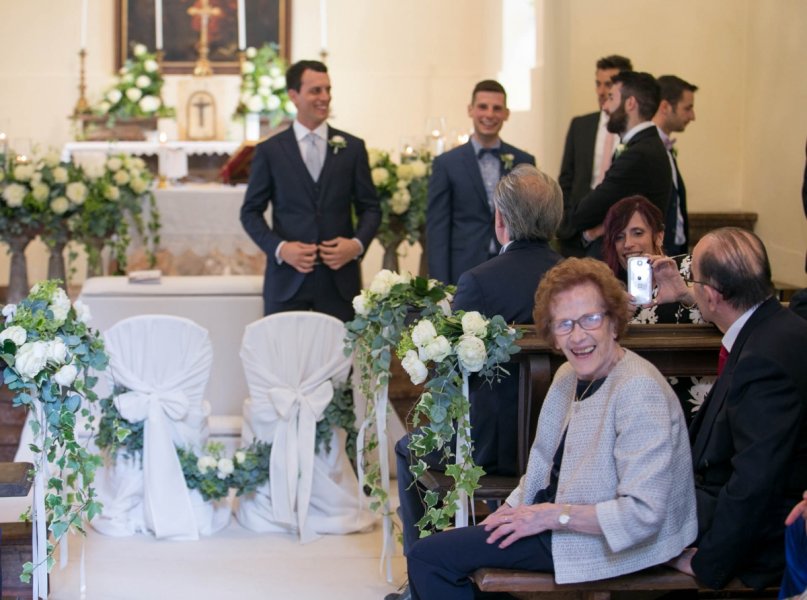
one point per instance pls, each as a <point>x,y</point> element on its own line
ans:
<point>459,221</point>
<point>312,175</point>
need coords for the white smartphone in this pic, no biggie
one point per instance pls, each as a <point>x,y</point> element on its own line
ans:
<point>640,279</point>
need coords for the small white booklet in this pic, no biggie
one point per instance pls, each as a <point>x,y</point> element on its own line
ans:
<point>147,276</point>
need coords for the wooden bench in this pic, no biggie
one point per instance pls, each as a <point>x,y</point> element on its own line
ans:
<point>15,538</point>
<point>532,586</point>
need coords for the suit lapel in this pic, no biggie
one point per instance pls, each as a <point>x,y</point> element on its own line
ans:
<point>475,176</point>
<point>292,149</point>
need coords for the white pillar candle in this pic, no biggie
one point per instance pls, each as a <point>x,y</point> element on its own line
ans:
<point>242,26</point>
<point>158,24</point>
<point>84,9</point>
<point>323,25</point>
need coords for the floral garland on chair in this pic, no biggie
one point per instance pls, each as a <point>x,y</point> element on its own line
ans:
<point>448,347</point>
<point>48,351</point>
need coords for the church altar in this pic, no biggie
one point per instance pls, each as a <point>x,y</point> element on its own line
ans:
<point>189,148</point>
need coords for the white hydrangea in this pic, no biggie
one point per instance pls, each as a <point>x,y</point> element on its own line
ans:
<point>423,333</point>
<point>474,323</point>
<point>59,305</point>
<point>15,333</point>
<point>76,192</point>
<point>14,194</point>
<point>471,353</point>
<point>414,367</point>
<point>83,314</point>
<point>59,205</point>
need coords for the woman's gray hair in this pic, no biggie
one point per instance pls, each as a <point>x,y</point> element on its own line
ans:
<point>530,202</point>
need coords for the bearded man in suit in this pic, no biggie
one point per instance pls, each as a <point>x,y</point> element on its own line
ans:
<point>311,174</point>
<point>459,219</point>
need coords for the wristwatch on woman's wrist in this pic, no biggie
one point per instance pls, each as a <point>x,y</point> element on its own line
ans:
<point>565,515</point>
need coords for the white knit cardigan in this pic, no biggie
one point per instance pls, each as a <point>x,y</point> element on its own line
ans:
<point>626,452</point>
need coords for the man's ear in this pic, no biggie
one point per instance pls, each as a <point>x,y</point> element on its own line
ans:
<point>631,104</point>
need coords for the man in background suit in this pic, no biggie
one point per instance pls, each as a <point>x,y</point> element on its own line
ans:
<point>749,438</point>
<point>641,165</point>
<point>676,110</point>
<point>528,209</point>
<point>311,174</point>
<point>459,220</point>
<point>588,151</point>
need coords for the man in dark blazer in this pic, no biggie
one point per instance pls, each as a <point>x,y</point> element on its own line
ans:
<point>311,174</point>
<point>641,165</point>
<point>675,111</point>
<point>749,438</point>
<point>588,151</point>
<point>459,219</point>
<point>528,210</point>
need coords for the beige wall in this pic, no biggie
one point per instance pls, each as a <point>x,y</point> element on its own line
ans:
<point>395,63</point>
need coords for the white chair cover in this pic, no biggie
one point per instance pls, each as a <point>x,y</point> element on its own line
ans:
<point>289,361</point>
<point>164,362</point>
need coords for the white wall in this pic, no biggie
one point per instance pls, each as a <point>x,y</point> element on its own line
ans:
<point>394,63</point>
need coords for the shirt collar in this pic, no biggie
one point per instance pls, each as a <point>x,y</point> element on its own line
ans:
<point>734,329</point>
<point>300,130</point>
<point>666,140</point>
<point>636,129</point>
<point>477,146</point>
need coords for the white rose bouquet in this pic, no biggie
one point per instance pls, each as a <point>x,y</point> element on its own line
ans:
<point>263,85</point>
<point>137,89</point>
<point>47,353</point>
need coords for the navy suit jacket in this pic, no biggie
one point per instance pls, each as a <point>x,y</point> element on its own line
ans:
<point>641,168</point>
<point>576,166</point>
<point>504,285</point>
<point>304,210</point>
<point>749,451</point>
<point>459,222</point>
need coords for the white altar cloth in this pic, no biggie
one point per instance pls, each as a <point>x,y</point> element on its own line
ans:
<point>224,305</point>
<point>76,149</point>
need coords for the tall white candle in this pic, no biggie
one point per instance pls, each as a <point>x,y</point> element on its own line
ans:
<point>242,26</point>
<point>158,24</point>
<point>323,25</point>
<point>84,9</point>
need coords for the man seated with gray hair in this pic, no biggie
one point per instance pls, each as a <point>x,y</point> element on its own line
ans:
<point>528,209</point>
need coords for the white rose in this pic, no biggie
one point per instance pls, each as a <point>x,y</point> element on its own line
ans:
<point>418,168</point>
<point>149,104</point>
<point>471,353</point>
<point>60,175</point>
<point>251,52</point>
<point>114,96</point>
<point>14,194</point>
<point>143,81</point>
<point>379,175</point>
<point>437,349</point>
<point>272,103</point>
<point>66,375</point>
<point>423,333</point>
<point>240,456</point>
<point>15,333</point>
<point>474,324</point>
<point>52,158</point>
<point>40,192</point>
<point>112,193</point>
<point>121,177</point>
<point>134,94</point>
<point>93,171</point>
<point>138,163</point>
<point>9,310</point>
<point>399,203</point>
<point>36,178</point>
<point>265,81</point>
<point>360,304</point>
<point>150,66</point>
<point>383,281</point>
<point>374,157</point>
<point>445,307</point>
<point>225,467</point>
<point>76,192</point>
<point>414,367</point>
<point>83,314</point>
<point>59,305</point>
<point>248,67</point>
<point>60,205</point>
<point>255,104</point>
<point>278,83</point>
<point>23,172</point>
<point>138,185</point>
<point>201,464</point>
<point>139,50</point>
<point>405,172</point>
<point>31,359</point>
<point>114,163</point>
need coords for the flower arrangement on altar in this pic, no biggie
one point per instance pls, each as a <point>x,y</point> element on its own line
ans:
<point>443,350</point>
<point>403,192</point>
<point>263,85</point>
<point>137,89</point>
<point>116,191</point>
<point>48,350</point>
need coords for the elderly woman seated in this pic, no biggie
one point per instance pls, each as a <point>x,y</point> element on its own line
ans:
<point>609,487</point>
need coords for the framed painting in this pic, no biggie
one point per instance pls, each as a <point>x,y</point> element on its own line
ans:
<point>266,21</point>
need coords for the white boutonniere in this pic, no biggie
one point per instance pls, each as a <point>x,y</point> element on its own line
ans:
<point>507,160</point>
<point>620,148</point>
<point>337,142</point>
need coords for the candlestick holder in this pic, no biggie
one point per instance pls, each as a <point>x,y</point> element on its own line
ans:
<point>323,54</point>
<point>82,106</point>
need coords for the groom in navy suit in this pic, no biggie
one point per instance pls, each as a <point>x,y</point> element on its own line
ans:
<point>459,221</point>
<point>311,174</point>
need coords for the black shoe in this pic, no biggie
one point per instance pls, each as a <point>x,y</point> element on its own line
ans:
<point>404,594</point>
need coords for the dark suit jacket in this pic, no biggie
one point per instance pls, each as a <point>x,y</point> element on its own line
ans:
<point>307,211</point>
<point>459,223</point>
<point>678,196</point>
<point>505,285</point>
<point>641,168</point>
<point>576,167</point>
<point>749,451</point>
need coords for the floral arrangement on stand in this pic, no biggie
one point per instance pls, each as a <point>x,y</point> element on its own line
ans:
<point>47,351</point>
<point>442,351</point>
<point>403,192</point>
<point>116,192</point>
<point>263,85</point>
<point>137,91</point>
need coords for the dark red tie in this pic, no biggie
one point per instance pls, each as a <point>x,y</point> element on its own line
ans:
<point>721,359</point>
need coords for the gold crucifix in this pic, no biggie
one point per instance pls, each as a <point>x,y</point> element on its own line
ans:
<point>203,68</point>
